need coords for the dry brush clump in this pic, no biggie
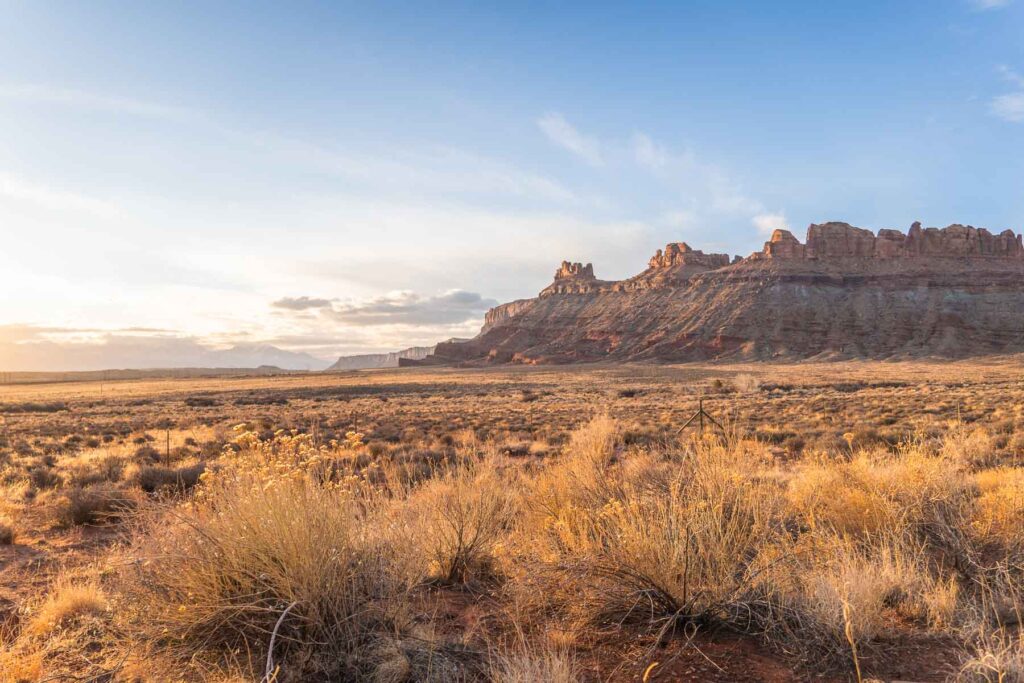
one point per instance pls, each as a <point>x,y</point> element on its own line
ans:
<point>454,521</point>
<point>664,540</point>
<point>266,536</point>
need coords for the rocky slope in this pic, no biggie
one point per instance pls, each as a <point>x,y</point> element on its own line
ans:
<point>845,292</point>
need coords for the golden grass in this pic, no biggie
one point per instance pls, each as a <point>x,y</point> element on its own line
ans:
<point>68,600</point>
<point>508,548</point>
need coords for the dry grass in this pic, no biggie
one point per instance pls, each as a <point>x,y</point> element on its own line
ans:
<point>659,541</point>
<point>530,664</point>
<point>995,659</point>
<point>465,532</point>
<point>267,535</point>
<point>454,521</point>
<point>7,533</point>
<point>68,600</point>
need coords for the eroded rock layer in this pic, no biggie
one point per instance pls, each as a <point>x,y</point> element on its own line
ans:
<point>845,292</point>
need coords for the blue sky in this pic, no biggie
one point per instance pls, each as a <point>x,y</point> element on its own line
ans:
<point>179,176</point>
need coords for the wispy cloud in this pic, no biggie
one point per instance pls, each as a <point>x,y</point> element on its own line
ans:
<point>1010,75</point>
<point>300,303</point>
<point>36,93</point>
<point>1009,107</point>
<point>410,308</point>
<point>562,133</point>
<point>707,188</point>
<point>770,222</point>
<point>984,5</point>
<point>18,188</point>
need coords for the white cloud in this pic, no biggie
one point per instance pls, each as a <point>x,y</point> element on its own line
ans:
<point>769,222</point>
<point>13,187</point>
<point>649,154</point>
<point>430,170</point>
<point>300,303</point>
<point>456,306</point>
<point>1010,75</point>
<point>1009,107</point>
<point>710,191</point>
<point>989,4</point>
<point>562,133</point>
<point>48,94</point>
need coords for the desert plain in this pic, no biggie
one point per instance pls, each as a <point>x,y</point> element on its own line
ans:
<point>836,521</point>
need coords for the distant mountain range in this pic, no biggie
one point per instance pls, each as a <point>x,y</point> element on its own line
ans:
<point>147,353</point>
<point>256,355</point>
<point>369,361</point>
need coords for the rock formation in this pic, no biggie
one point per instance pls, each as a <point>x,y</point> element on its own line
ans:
<point>844,292</point>
<point>841,240</point>
<point>572,278</point>
<point>680,254</point>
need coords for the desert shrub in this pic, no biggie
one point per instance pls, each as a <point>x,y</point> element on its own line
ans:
<point>530,663</point>
<point>33,407</point>
<point>972,446</point>
<point>89,505</point>
<point>999,513</point>
<point>146,454</point>
<point>833,589</point>
<point>596,440</point>
<point>457,518</point>
<point>649,540</point>
<point>44,477</point>
<point>151,478</point>
<point>268,533</point>
<point>746,383</point>
<point>67,600</point>
<point>880,491</point>
<point>995,658</point>
<point>94,470</point>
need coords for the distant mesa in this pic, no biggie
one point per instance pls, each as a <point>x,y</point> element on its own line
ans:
<point>844,292</point>
<point>394,359</point>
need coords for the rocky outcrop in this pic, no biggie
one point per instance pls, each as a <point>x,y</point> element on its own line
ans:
<point>845,292</point>
<point>572,278</point>
<point>569,271</point>
<point>783,245</point>
<point>499,314</point>
<point>680,254</point>
<point>842,240</point>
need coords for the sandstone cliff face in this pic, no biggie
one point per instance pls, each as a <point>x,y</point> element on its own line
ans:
<point>841,240</point>
<point>844,292</point>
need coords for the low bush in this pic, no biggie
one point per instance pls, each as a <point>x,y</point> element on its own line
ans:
<point>90,505</point>
<point>67,600</point>
<point>265,535</point>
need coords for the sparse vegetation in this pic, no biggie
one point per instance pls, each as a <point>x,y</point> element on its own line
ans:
<point>462,531</point>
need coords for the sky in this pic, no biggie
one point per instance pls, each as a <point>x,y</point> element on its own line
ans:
<point>188,183</point>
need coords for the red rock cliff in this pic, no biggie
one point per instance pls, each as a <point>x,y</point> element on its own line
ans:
<point>841,240</point>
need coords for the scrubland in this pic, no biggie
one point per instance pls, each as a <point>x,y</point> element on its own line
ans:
<point>857,521</point>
